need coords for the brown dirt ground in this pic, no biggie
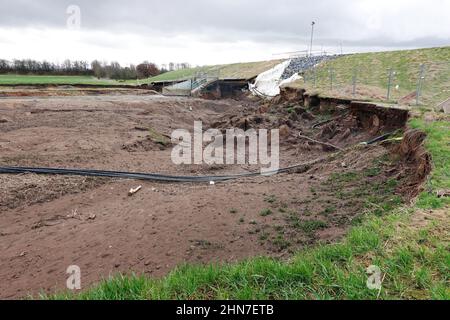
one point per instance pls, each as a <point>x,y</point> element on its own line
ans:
<point>50,222</point>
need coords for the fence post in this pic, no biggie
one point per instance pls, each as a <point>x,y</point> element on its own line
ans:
<point>391,75</point>
<point>314,75</point>
<point>330,71</point>
<point>420,83</point>
<point>354,81</point>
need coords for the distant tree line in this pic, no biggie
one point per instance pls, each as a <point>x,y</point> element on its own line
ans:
<point>96,68</point>
<point>28,66</point>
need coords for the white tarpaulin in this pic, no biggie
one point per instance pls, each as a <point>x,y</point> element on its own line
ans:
<point>294,77</point>
<point>268,83</point>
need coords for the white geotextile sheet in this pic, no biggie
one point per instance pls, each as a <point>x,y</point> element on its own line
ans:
<point>268,83</point>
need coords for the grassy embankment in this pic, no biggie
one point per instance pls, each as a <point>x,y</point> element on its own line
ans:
<point>243,70</point>
<point>372,76</point>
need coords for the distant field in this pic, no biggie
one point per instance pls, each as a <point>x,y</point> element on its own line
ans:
<point>229,71</point>
<point>371,71</point>
<point>11,79</point>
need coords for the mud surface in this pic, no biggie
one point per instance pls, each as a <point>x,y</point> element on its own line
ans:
<point>68,90</point>
<point>50,222</point>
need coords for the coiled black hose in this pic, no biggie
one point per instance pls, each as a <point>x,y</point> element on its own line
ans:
<point>150,176</point>
<point>171,178</point>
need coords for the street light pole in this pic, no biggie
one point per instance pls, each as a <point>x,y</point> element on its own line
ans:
<point>312,34</point>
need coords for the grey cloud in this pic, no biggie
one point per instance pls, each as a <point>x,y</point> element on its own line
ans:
<point>232,20</point>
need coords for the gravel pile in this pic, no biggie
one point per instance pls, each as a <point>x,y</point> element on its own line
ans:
<point>304,63</point>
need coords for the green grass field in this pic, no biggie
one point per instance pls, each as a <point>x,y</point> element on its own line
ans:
<point>13,79</point>
<point>228,71</point>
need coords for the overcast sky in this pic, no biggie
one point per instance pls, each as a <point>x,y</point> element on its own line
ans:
<point>214,31</point>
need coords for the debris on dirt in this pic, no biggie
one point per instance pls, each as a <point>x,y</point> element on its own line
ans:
<point>329,145</point>
<point>147,144</point>
<point>73,214</point>
<point>28,189</point>
<point>442,193</point>
<point>329,131</point>
<point>134,190</point>
<point>140,128</point>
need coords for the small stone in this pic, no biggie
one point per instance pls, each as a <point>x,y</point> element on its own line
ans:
<point>284,131</point>
<point>307,116</point>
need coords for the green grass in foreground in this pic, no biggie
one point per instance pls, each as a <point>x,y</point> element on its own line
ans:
<point>438,144</point>
<point>13,79</point>
<point>414,258</point>
<point>414,263</point>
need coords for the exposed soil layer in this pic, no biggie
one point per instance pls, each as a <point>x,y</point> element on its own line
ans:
<point>71,90</point>
<point>50,222</point>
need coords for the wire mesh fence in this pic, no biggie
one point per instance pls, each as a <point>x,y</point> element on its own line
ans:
<point>414,84</point>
